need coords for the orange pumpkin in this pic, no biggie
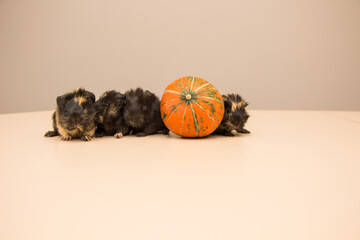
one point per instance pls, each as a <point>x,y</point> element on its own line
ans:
<point>191,107</point>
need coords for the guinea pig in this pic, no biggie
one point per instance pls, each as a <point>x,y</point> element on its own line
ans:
<point>142,113</point>
<point>235,115</point>
<point>75,116</point>
<point>110,108</point>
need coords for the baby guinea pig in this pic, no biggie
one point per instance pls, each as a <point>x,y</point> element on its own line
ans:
<point>142,113</point>
<point>110,108</point>
<point>235,115</point>
<point>75,116</point>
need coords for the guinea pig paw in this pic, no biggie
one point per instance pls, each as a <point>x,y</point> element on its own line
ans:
<point>86,138</point>
<point>229,134</point>
<point>244,131</point>
<point>118,135</point>
<point>50,134</point>
<point>65,138</point>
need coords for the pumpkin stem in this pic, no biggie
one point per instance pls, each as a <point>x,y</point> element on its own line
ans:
<point>188,97</point>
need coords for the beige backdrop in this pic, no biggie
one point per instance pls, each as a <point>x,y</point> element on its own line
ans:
<point>279,54</point>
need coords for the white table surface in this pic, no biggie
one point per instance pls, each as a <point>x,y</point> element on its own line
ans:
<point>296,176</point>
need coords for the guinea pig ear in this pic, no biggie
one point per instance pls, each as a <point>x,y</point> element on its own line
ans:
<point>228,105</point>
<point>122,96</point>
<point>92,97</point>
<point>147,93</point>
<point>149,96</point>
<point>225,97</point>
<point>60,101</point>
<point>122,99</point>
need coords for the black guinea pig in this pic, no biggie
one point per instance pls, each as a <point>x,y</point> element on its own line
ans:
<point>142,113</point>
<point>75,116</point>
<point>235,115</point>
<point>110,108</point>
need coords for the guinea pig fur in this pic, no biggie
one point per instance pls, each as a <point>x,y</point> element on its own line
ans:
<point>110,107</point>
<point>235,115</point>
<point>142,113</point>
<point>75,116</point>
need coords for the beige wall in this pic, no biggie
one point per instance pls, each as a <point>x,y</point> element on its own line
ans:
<point>279,54</point>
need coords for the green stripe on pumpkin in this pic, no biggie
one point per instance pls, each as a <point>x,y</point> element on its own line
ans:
<point>165,103</point>
<point>171,91</point>
<point>171,111</point>
<point>196,90</point>
<point>182,123</point>
<point>207,112</point>
<point>213,98</point>
<point>192,83</point>
<point>212,108</point>
<point>196,123</point>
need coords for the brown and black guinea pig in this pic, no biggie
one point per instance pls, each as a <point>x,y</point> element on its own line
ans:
<point>235,115</point>
<point>75,116</point>
<point>142,113</point>
<point>110,108</point>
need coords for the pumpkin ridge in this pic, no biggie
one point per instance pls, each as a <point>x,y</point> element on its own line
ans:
<point>196,123</point>
<point>208,113</point>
